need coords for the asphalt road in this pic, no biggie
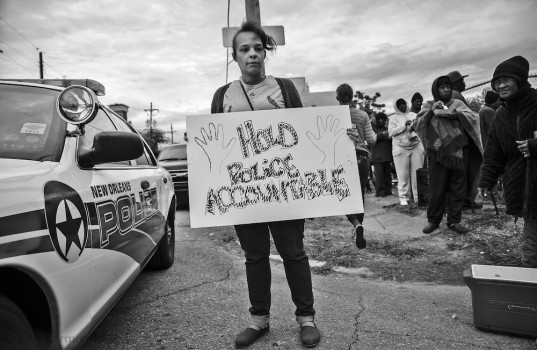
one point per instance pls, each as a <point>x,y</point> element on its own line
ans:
<point>201,303</point>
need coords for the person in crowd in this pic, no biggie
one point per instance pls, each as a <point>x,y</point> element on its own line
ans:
<point>407,150</point>
<point>364,138</point>
<point>457,85</point>
<point>381,156</point>
<point>472,172</point>
<point>486,114</point>
<point>416,102</point>
<point>512,149</point>
<point>256,91</point>
<point>449,131</point>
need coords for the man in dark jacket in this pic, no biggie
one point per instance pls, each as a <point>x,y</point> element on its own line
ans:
<point>381,156</point>
<point>472,171</point>
<point>512,147</point>
<point>486,114</point>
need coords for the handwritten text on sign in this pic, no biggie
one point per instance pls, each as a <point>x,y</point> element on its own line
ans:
<point>271,165</point>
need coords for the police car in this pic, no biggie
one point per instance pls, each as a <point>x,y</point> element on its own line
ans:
<point>84,206</point>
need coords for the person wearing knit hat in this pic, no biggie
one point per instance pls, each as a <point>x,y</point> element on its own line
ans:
<point>516,67</point>
<point>512,149</point>
<point>415,103</point>
<point>486,114</point>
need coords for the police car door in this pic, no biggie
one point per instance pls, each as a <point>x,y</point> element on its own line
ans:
<point>122,221</point>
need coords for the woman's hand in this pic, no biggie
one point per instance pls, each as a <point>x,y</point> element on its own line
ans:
<point>523,148</point>
<point>438,105</point>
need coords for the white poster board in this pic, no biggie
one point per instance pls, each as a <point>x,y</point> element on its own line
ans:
<point>272,165</point>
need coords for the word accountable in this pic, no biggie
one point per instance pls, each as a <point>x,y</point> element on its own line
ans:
<point>276,180</point>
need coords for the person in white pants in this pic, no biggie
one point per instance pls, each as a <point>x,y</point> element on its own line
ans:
<point>407,150</point>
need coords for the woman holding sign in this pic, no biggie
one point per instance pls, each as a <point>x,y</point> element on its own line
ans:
<point>256,91</point>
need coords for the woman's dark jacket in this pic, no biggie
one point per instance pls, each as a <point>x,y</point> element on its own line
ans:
<point>290,95</point>
<point>514,120</point>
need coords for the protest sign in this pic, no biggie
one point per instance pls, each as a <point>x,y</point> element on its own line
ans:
<point>271,165</point>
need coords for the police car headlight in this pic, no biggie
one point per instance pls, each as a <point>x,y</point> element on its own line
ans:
<point>77,104</point>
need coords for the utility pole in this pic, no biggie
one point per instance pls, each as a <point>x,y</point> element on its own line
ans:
<point>253,13</point>
<point>171,131</point>
<point>40,65</point>
<point>150,110</point>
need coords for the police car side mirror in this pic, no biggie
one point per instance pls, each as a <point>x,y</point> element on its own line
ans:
<point>109,147</point>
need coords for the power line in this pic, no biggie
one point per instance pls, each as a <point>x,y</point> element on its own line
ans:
<point>32,44</point>
<point>17,63</point>
<point>17,51</point>
<point>25,38</point>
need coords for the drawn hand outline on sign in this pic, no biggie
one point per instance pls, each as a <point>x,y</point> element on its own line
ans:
<point>213,143</point>
<point>327,137</point>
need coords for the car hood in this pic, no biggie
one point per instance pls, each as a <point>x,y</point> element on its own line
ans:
<point>19,168</point>
<point>21,181</point>
<point>174,164</point>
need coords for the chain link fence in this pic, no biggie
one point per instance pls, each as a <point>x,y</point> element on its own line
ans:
<point>475,93</point>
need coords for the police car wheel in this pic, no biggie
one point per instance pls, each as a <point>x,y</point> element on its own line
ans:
<point>165,254</point>
<point>15,330</point>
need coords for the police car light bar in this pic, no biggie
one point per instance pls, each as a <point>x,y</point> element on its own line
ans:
<point>94,85</point>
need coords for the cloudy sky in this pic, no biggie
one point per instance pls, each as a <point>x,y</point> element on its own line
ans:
<point>170,52</point>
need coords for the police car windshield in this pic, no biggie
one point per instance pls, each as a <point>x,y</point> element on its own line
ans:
<point>29,124</point>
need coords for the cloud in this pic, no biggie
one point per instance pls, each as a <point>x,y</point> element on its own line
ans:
<point>170,53</point>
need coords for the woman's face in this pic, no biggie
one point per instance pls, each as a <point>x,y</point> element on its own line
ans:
<point>250,54</point>
<point>506,87</point>
<point>444,90</point>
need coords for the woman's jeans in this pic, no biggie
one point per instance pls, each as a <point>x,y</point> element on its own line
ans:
<point>288,238</point>
<point>407,162</point>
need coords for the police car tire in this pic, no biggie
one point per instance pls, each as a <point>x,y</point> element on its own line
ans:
<point>15,330</point>
<point>165,254</point>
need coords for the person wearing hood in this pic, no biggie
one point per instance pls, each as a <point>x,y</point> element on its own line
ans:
<point>512,149</point>
<point>451,135</point>
<point>407,151</point>
<point>416,102</point>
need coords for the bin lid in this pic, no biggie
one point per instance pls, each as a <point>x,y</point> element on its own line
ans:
<point>505,273</point>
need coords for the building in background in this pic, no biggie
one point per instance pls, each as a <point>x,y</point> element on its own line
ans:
<point>325,98</point>
<point>120,109</point>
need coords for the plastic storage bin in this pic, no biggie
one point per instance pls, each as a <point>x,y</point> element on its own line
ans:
<point>504,299</point>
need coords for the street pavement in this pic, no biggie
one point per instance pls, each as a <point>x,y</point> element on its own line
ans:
<point>360,313</point>
<point>202,303</point>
